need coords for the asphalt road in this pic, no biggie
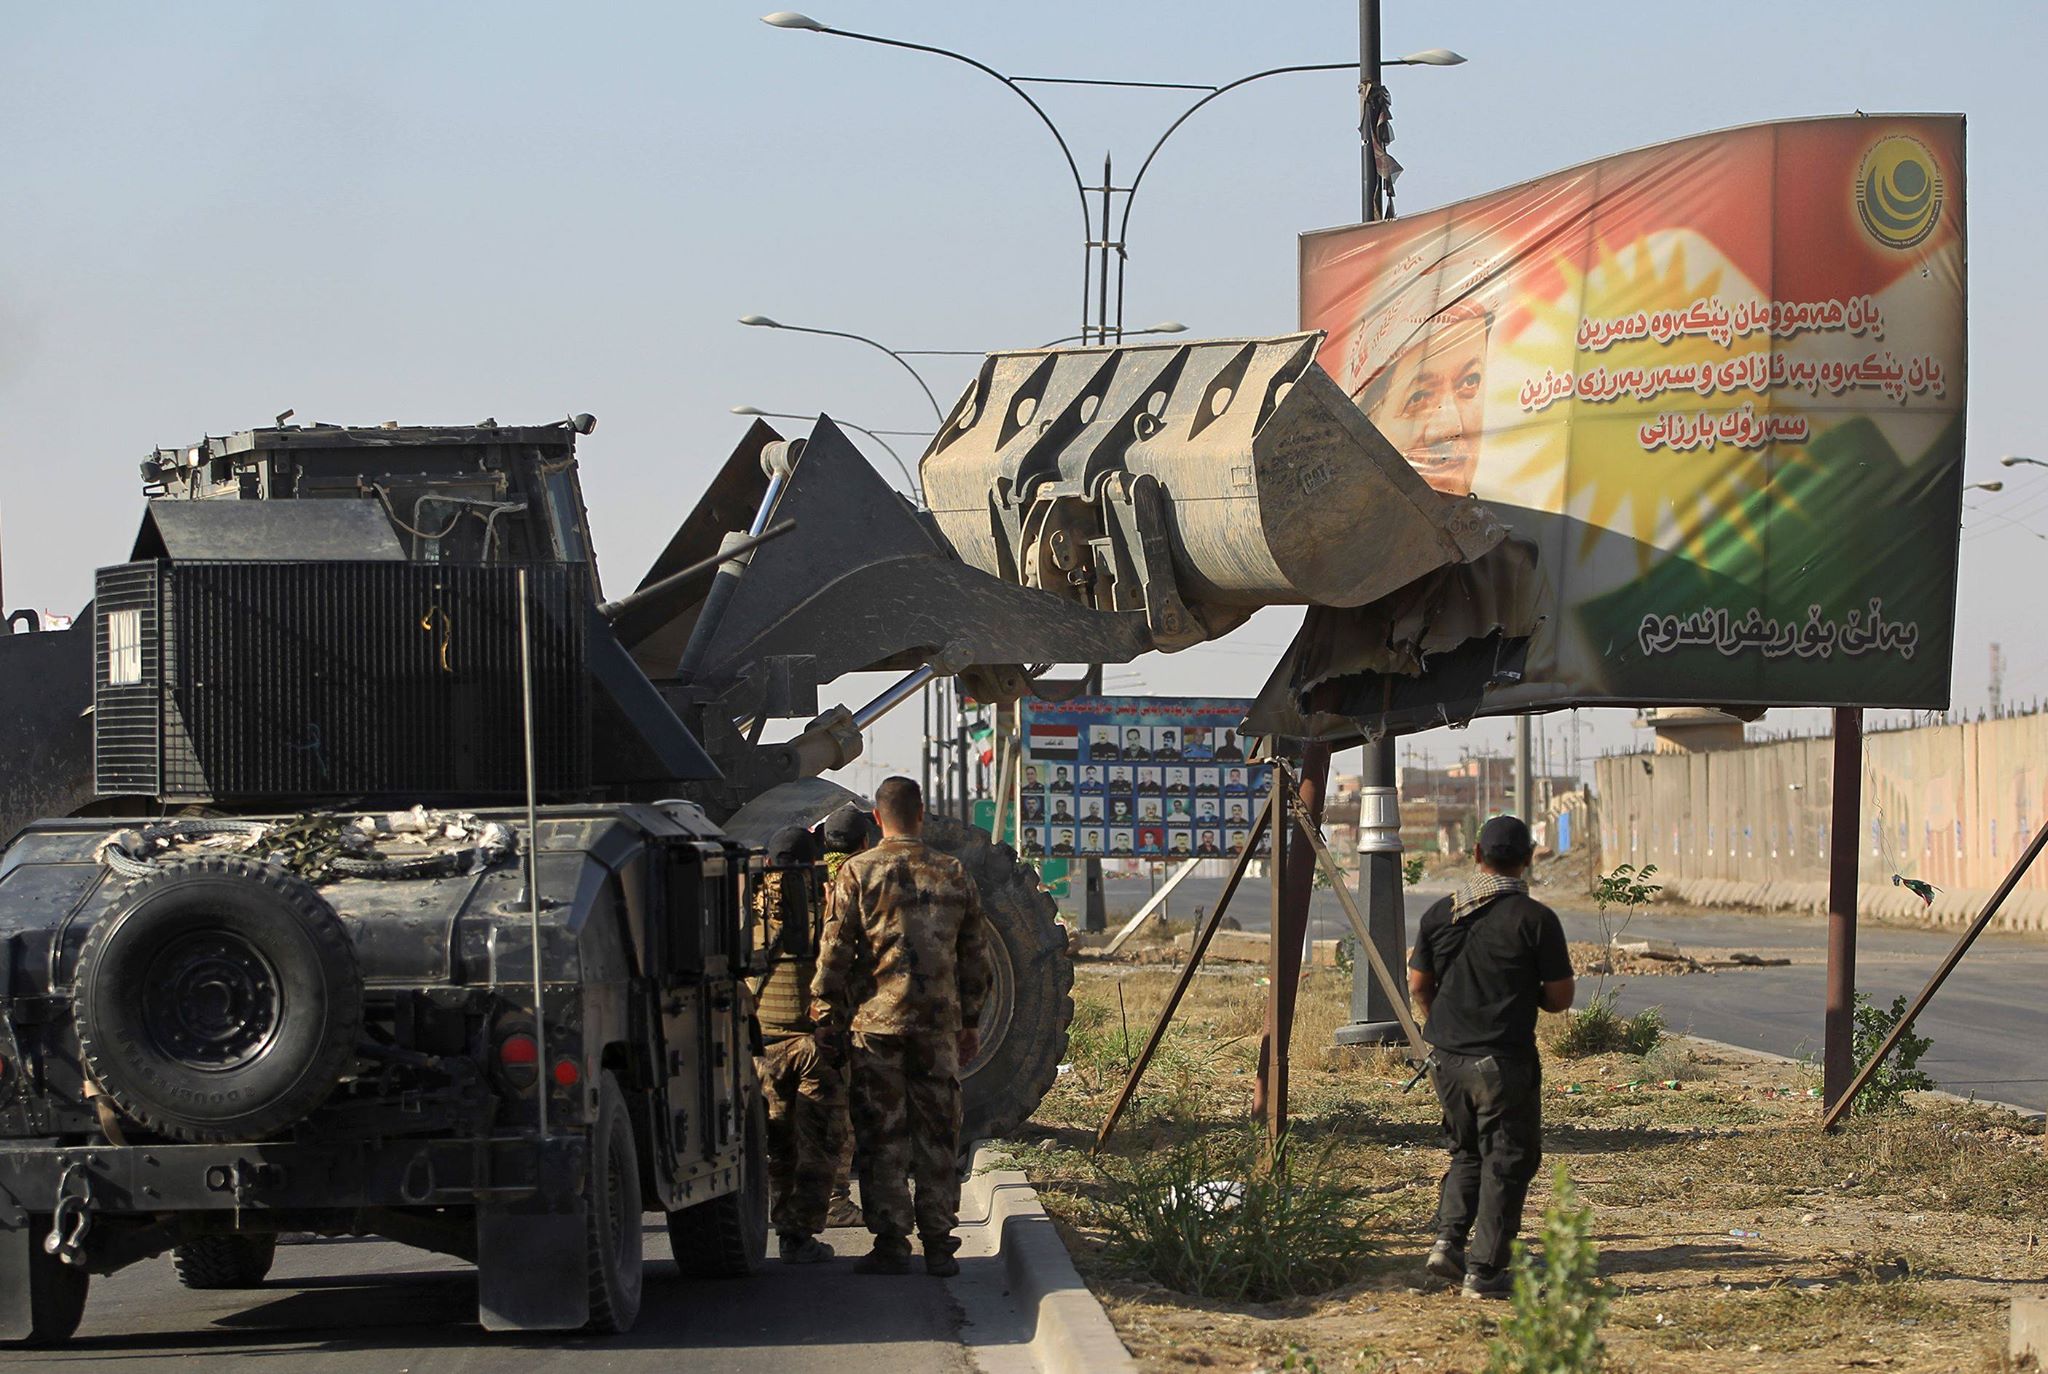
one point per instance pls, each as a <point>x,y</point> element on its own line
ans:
<point>1988,1023</point>
<point>371,1305</point>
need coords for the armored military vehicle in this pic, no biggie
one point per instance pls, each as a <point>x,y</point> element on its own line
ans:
<point>280,947</point>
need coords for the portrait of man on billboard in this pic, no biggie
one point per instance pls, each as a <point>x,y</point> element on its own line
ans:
<point>1062,809</point>
<point>1102,743</point>
<point>1422,383</point>
<point>1206,844</point>
<point>1120,844</point>
<point>1063,843</point>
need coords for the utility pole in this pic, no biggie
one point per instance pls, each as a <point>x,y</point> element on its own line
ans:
<point>1523,796</point>
<point>1379,804</point>
<point>1838,1053</point>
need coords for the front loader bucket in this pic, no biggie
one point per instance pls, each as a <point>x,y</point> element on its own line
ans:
<point>1222,476</point>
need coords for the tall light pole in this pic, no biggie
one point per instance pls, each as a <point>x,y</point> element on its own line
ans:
<point>1379,804</point>
<point>1096,251</point>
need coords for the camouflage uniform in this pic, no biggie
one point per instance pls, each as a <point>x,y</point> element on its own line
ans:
<point>805,1091</point>
<point>903,965</point>
<point>841,1210</point>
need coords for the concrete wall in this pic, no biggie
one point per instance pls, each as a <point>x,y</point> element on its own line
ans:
<point>1951,804</point>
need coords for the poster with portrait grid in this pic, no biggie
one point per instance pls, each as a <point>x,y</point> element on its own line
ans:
<point>1136,778</point>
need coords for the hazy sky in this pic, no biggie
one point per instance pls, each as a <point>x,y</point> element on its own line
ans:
<point>373,211</point>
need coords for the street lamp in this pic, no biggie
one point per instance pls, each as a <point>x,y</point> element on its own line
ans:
<point>1428,57</point>
<point>875,434</point>
<point>1986,486</point>
<point>764,322</point>
<point>2010,459</point>
<point>1163,327</point>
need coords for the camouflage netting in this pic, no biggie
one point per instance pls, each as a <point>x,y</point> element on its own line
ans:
<point>323,847</point>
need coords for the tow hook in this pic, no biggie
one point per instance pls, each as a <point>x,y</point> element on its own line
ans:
<point>73,1216</point>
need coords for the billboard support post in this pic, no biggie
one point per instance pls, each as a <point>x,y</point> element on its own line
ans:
<point>1838,1052</point>
<point>1283,967</point>
<point>1375,1015</point>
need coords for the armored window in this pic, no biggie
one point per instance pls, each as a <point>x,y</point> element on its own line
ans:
<point>124,648</point>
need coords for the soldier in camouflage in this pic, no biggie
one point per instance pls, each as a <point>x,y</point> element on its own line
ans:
<point>803,1076</point>
<point>903,968</point>
<point>845,833</point>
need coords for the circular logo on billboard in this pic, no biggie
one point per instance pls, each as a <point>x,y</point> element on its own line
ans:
<point>1899,191</point>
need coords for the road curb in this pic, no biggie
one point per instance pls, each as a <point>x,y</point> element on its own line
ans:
<point>2026,1113</point>
<point>1071,1334</point>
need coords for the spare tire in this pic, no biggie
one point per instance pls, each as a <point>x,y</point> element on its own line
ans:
<point>1031,993</point>
<point>220,1003</point>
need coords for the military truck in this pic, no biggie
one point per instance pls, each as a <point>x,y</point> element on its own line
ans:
<point>265,963</point>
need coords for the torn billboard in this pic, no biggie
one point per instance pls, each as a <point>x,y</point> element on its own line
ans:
<point>1715,388</point>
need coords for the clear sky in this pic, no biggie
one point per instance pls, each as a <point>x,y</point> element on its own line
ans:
<point>435,213</point>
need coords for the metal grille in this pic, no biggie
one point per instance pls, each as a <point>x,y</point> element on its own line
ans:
<point>126,724</point>
<point>364,680</point>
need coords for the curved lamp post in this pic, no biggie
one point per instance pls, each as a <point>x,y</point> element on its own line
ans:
<point>791,19</point>
<point>764,322</point>
<point>876,434</point>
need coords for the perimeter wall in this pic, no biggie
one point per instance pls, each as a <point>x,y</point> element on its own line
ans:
<point>1953,805</point>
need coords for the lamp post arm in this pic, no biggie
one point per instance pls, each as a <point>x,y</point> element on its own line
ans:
<point>901,361</point>
<point>1073,168</point>
<point>1131,193</point>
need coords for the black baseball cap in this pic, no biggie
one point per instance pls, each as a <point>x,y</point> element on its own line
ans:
<point>846,830</point>
<point>1506,834</point>
<point>791,845</point>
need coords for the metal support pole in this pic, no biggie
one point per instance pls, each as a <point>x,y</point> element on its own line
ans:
<point>1375,1017</point>
<point>1102,272</point>
<point>924,756</point>
<point>1094,908</point>
<point>1368,81</point>
<point>966,799</point>
<point>533,926</point>
<point>1282,971</point>
<point>1955,956</point>
<point>1199,948</point>
<point>1838,1054</point>
<point>1523,796</point>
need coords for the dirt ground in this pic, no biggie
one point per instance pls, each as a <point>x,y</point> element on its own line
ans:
<point>1732,1235</point>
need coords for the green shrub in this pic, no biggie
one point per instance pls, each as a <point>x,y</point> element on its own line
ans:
<point>1597,1028</point>
<point>1553,1326</point>
<point>1220,1215</point>
<point>1898,1075</point>
<point>1411,870</point>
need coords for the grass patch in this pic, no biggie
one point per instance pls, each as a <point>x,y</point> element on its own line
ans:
<point>1597,1028</point>
<point>1218,1214</point>
<point>1789,1318</point>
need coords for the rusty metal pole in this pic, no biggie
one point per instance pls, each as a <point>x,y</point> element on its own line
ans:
<point>1283,966</point>
<point>1838,1053</point>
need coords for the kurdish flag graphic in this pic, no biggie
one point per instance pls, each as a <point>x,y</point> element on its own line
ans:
<point>1715,387</point>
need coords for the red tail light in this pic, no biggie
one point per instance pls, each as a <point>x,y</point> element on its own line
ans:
<point>566,1073</point>
<point>518,1052</point>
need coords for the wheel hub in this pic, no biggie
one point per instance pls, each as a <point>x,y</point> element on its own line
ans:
<point>211,1001</point>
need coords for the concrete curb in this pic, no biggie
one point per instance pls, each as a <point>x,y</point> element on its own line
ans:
<point>2026,1113</point>
<point>1069,1331</point>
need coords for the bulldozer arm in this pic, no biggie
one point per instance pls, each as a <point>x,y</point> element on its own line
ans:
<point>1087,505</point>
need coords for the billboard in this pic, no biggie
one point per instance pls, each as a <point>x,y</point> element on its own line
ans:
<point>1716,388</point>
<point>1136,777</point>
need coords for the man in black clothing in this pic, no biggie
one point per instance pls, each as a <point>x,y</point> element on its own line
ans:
<point>1486,958</point>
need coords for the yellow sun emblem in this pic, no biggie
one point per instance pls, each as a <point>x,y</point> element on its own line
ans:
<point>1899,191</point>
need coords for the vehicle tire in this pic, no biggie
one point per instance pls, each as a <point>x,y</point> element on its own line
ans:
<point>225,1261</point>
<point>1031,992</point>
<point>612,1233</point>
<point>220,1003</point>
<point>727,1237</point>
<point>56,1291</point>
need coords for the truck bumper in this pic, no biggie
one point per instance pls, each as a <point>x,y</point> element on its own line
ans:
<point>291,1175</point>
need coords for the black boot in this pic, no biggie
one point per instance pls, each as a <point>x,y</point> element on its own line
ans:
<point>891,1255</point>
<point>938,1256</point>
